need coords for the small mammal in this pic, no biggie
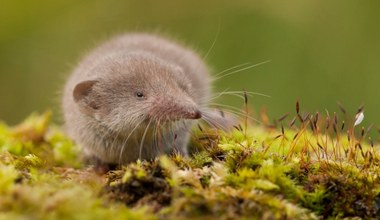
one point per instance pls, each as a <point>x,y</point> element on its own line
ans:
<point>135,97</point>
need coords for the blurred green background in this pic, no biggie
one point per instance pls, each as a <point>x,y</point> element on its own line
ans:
<point>322,51</point>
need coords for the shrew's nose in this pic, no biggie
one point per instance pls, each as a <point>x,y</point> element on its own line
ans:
<point>196,114</point>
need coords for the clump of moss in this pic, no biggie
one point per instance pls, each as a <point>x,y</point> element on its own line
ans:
<point>41,177</point>
<point>309,169</point>
<point>139,185</point>
<point>35,137</point>
<point>344,191</point>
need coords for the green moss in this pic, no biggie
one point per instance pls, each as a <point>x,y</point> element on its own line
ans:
<point>258,173</point>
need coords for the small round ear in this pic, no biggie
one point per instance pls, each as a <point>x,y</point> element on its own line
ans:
<point>85,96</point>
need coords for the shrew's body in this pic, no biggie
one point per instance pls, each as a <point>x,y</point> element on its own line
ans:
<point>135,96</point>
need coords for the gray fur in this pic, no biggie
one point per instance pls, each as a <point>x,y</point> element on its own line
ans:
<point>101,107</point>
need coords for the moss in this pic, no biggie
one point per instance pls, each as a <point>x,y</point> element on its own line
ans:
<point>307,170</point>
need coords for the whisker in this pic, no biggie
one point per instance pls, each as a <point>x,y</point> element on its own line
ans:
<point>241,115</point>
<point>234,93</point>
<point>227,106</point>
<point>158,137</point>
<point>143,138</point>
<point>248,93</point>
<point>126,140</point>
<point>231,68</point>
<point>213,97</point>
<point>212,122</point>
<point>215,39</point>
<point>242,69</point>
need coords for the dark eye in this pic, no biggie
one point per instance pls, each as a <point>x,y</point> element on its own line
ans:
<point>139,95</point>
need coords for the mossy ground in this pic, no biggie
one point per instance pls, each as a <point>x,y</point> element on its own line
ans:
<point>307,170</point>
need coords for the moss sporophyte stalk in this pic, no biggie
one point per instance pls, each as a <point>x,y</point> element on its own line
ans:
<point>310,167</point>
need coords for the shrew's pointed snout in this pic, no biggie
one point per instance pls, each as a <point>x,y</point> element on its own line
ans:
<point>195,114</point>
